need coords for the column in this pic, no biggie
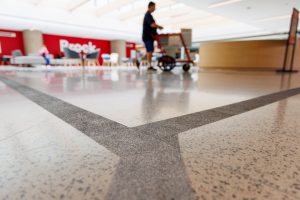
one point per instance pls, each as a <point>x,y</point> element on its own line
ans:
<point>119,46</point>
<point>33,41</point>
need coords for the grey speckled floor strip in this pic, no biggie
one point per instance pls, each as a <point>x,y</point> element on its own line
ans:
<point>167,130</point>
<point>150,165</point>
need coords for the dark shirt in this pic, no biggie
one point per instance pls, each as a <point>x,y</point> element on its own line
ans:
<point>148,31</point>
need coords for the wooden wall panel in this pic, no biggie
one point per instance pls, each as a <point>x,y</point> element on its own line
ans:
<point>260,54</point>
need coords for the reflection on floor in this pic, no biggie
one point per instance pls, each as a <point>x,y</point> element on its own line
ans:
<point>119,133</point>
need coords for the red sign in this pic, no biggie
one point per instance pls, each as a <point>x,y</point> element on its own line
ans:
<point>56,43</point>
<point>129,48</point>
<point>11,40</point>
<point>294,27</point>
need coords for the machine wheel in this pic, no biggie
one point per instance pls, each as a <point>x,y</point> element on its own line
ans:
<point>186,67</point>
<point>166,63</point>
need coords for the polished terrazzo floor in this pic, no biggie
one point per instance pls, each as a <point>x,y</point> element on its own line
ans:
<point>68,133</point>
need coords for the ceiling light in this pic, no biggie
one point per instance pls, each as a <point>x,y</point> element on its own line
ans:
<point>223,3</point>
<point>7,34</point>
<point>274,18</point>
<point>112,6</point>
<point>78,5</point>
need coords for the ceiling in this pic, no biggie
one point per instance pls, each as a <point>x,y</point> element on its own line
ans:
<point>122,19</point>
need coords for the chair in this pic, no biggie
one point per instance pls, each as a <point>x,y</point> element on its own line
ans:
<point>71,57</point>
<point>197,59</point>
<point>15,54</point>
<point>106,59</point>
<point>93,58</point>
<point>125,61</point>
<point>133,58</point>
<point>114,59</point>
<point>144,61</point>
<point>128,62</point>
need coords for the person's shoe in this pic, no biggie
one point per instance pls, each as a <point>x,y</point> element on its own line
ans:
<point>152,69</point>
<point>138,64</point>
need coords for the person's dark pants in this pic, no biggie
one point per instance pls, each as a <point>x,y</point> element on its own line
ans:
<point>149,46</point>
<point>47,60</point>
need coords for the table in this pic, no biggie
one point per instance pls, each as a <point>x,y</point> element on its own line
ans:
<point>82,56</point>
<point>5,60</point>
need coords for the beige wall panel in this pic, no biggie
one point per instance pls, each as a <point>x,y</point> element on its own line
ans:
<point>261,54</point>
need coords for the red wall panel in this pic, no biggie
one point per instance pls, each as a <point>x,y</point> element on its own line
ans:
<point>54,42</point>
<point>129,46</point>
<point>8,44</point>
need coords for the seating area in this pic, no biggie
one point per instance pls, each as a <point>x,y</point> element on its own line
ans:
<point>73,58</point>
<point>70,58</point>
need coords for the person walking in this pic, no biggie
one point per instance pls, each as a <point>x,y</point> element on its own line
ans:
<point>149,33</point>
<point>45,54</point>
